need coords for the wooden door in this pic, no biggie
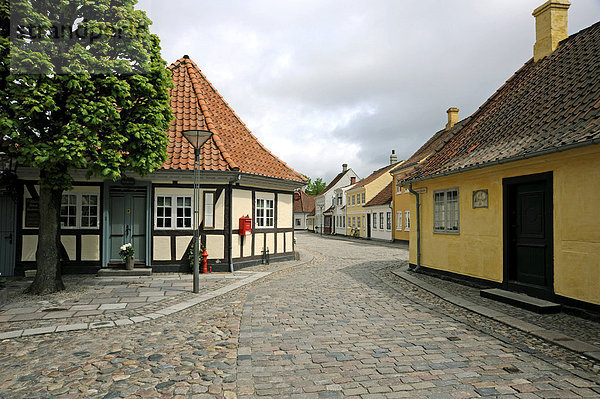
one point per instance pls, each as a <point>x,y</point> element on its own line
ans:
<point>529,246</point>
<point>7,235</point>
<point>127,223</point>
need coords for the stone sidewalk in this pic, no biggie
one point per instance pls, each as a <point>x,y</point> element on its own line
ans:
<point>99,302</point>
<point>574,333</point>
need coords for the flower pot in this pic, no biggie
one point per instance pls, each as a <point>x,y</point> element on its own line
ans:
<point>129,263</point>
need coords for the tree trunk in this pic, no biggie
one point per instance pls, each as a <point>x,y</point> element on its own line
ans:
<point>48,278</point>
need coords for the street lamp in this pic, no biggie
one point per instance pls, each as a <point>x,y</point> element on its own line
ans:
<point>197,138</point>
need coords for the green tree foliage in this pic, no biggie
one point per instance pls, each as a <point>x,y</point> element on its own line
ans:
<point>93,97</point>
<point>314,187</point>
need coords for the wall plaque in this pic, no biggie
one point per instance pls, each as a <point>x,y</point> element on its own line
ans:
<point>480,199</point>
<point>32,213</point>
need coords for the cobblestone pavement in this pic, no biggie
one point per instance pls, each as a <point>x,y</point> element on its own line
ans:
<point>92,300</point>
<point>340,326</point>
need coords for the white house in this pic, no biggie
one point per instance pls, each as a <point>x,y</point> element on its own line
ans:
<point>326,200</point>
<point>380,208</point>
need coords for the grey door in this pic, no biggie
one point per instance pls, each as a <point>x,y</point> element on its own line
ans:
<point>7,235</point>
<point>127,223</point>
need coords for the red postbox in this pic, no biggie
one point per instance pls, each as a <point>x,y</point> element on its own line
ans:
<point>245,225</point>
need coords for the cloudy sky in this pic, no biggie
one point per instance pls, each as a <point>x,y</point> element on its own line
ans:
<point>326,82</point>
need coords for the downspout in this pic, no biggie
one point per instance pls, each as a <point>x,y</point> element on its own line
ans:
<point>410,189</point>
<point>236,179</point>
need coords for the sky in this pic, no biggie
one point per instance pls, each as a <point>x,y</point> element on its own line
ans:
<point>326,82</point>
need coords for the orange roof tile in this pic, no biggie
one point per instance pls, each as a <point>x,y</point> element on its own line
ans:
<point>196,104</point>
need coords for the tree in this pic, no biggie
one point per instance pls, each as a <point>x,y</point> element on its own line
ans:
<point>87,89</point>
<point>314,187</point>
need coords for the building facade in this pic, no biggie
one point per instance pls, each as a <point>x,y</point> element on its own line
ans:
<point>509,199</point>
<point>239,178</point>
<point>325,201</point>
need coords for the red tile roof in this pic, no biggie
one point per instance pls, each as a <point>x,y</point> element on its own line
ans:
<point>546,106</point>
<point>196,104</point>
<point>383,197</point>
<point>373,176</point>
<point>303,202</point>
<point>334,181</point>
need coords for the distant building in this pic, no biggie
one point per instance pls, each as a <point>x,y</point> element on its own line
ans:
<point>325,201</point>
<point>304,205</point>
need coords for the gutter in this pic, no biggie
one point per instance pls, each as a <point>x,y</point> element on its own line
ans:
<point>506,160</point>
<point>236,179</point>
<point>410,189</point>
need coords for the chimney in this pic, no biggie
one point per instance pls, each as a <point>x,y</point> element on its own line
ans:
<point>452,117</point>
<point>344,167</point>
<point>352,179</point>
<point>550,27</point>
<point>393,157</point>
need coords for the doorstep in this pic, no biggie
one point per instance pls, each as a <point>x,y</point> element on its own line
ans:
<point>521,300</point>
<point>115,272</point>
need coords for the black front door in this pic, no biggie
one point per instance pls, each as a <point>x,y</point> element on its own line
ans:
<point>529,234</point>
<point>368,225</point>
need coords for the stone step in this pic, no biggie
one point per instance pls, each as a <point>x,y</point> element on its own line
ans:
<point>521,300</point>
<point>115,272</point>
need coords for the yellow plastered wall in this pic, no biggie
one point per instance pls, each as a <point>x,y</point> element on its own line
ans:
<point>401,201</point>
<point>478,250</point>
<point>284,211</point>
<point>241,204</point>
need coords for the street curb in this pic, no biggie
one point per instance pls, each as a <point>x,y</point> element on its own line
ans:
<point>554,337</point>
<point>178,307</point>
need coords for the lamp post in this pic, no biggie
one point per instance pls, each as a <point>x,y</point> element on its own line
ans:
<point>197,138</point>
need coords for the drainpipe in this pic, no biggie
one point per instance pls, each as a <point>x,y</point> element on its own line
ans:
<point>410,189</point>
<point>236,179</point>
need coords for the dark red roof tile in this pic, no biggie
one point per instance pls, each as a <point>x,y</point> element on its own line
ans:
<point>196,104</point>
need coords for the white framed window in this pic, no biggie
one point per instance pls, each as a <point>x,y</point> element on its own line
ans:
<point>298,222</point>
<point>399,221</point>
<point>358,222</point>
<point>79,211</point>
<point>68,211</point>
<point>265,212</point>
<point>164,212</point>
<point>446,211</point>
<point>183,215</point>
<point>374,220</point>
<point>173,212</point>
<point>348,200</point>
<point>388,221</point>
<point>354,200</point>
<point>406,220</point>
<point>362,198</point>
<point>380,220</point>
<point>208,202</point>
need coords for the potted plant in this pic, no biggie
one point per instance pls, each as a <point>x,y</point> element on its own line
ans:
<point>127,252</point>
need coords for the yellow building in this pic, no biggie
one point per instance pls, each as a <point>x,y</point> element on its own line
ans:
<point>511,198</point>
<point>358,219</point>
<point>402,198</point>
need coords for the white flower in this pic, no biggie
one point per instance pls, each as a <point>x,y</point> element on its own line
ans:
<point>125,247</point>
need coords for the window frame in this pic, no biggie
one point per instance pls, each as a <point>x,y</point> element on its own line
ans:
<point>79,211</point>
<point>445,212</point>
<point>374,221</point>
<point>214,196</point>
<point>388,221</point>
<point>380,220</point>
<point>362,198</point>
<point>265,218</point>
<point>399,216</point>
<point>173,207</point>
<point>406,220</point>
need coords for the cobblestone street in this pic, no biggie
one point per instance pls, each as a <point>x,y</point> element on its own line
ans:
<point>341,325</point>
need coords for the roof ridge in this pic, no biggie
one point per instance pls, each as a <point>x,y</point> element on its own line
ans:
<point>228,158</point>
<point>193,68</point>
